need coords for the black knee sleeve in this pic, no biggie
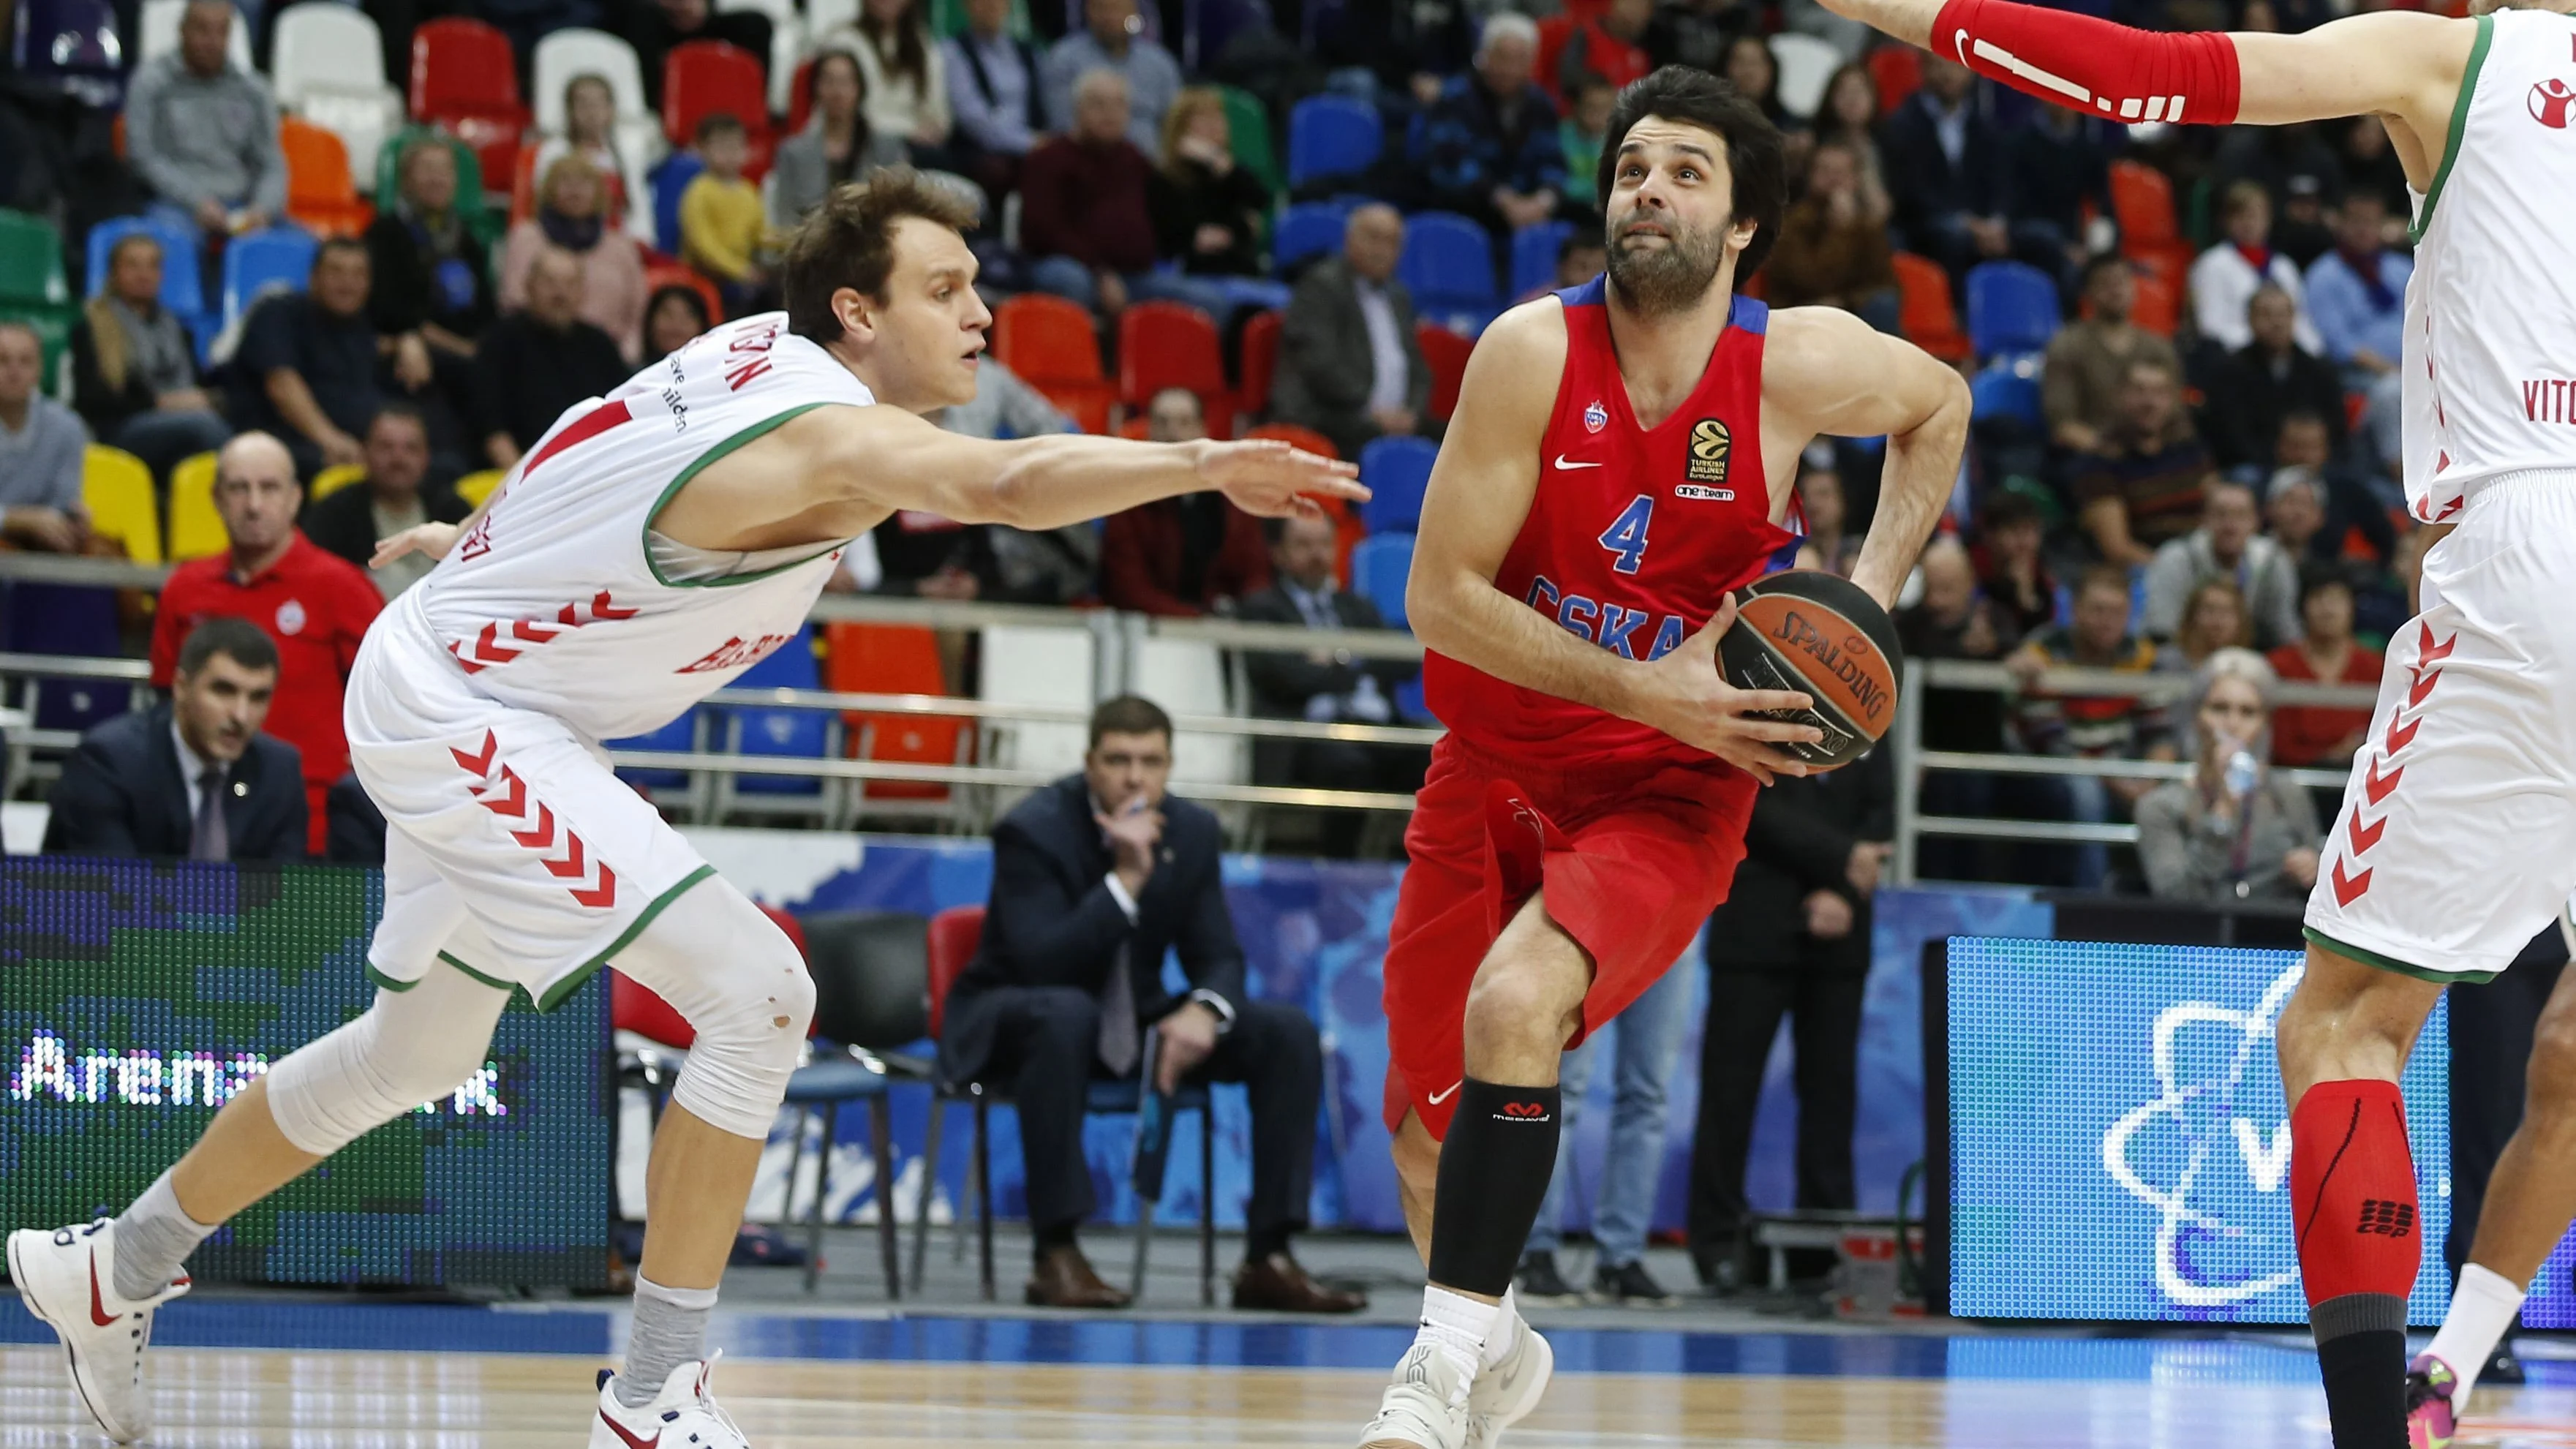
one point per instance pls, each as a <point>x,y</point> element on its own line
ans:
<point>1494,1169</point>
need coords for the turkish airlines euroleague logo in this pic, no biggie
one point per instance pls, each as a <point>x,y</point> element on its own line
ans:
<point>2552,103</point>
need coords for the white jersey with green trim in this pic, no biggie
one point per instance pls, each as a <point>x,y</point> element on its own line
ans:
<point>554,601</point>
<point>2490,365</point>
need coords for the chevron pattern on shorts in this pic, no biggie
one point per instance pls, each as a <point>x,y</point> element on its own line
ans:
<point>532,824</point>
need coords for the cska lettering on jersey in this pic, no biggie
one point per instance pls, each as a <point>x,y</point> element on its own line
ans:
<point>747,356</point>
<point>1613,626</point>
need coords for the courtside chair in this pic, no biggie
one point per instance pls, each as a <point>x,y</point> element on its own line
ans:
<point>871,997</point>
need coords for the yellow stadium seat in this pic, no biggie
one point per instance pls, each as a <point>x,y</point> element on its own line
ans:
<point>474,488</point>
<point>196,530</point>
<point>117,490</point>
<point>332,480</point>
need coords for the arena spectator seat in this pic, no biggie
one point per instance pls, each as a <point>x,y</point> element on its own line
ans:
<point>2008,389</point>
<point>1446,352</point>
<point>1308,229</point>
<point>332,480</point>
<point>1167,344</point>
<point>320,195</point>
<point>682,790</point>
<point>871,975</point>
<point>32,287</point>
<point>803,734</point>
<point>658,275</point>
<point>954,936</point>
<point>703,77</point>
<point>575,51</point>
<point>2142,203</point>
<point>69,49</point>
<point>464,78</point>
<point>1448,265</point>
<point>1898,69</point>
<point>1553,33</point>
<point>1924,311</point>
<point>469,175</point>
<point>2012,308</point>
<point>1248,130</point>
<point>1051,344</point>
<point>182,288</point>
<point>327,65</point>
<point>800,97</point>
<point>1257,364</point>
<point>787,38</point>
<point>116,488</point>
<point>196,529</point>
<point>894,659</point>
<point>1806,65</point>
<point>1397,472</point>
<point>1534,250</point>
<point>159,22</point>
<point>670,181</point>
<point>1036,665</point>
<point>1379,568</point>
<point>255,264</point>
<point>1332,136</point>
<point>2158,304</point>
<point>1188,677</point>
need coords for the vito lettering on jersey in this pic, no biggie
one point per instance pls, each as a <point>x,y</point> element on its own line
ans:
<point>734,654</point>
<point>1611,625</point>
<point>2549,399</point>
<point>746,357</point>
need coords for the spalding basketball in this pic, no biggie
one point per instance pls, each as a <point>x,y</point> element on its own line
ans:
<point>1819,634</point>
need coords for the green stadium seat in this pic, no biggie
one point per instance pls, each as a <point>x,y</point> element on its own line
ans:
<point>31,262</point>
<point>1248,123</point>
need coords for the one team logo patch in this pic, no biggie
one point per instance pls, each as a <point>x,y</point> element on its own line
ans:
<point>1595,417</point>
<point>2551,102</point>
<point>1710,445</point>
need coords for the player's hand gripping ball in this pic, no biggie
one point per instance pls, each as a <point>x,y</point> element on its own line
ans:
<point>1821,635</point>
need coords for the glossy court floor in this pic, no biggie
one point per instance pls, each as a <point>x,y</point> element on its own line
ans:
<point>254,1371</point>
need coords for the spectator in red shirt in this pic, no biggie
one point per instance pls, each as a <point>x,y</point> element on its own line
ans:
<point>2313,734</point>
<point>1181,556</point>
<point>315,606</point>
<point>1085,217</point>
<point>1611,45</point>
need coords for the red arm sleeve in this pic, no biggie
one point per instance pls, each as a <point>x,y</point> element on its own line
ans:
<point>2111,71</point>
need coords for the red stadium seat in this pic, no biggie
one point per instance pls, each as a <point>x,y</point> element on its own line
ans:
<point>633,1006</point>
<point>1306,438</point>
<point>955,935</point>
<point>707,76</point>
<point>1924,310</point>
<point>671,274</point>
<point>1447,353</point>
<point>1166,344</point>
<point>1260,361</point>
<point>1052,345</point>
<point>1347,528</point>
<point>2142,202</point>
<point>800,96</point>
<point>2158,307</point>
<point>1898,69</point>
<point>320,194</point>
<point>462,67</point>
<point>892,659</point>
<point>1553,33</point>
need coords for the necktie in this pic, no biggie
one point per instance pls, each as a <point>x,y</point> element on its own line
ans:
<point>1119,1046</point>
<point>210,840</point>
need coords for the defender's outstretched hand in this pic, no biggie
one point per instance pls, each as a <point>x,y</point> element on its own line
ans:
<point>1271,479</point>
<point>433,539</point>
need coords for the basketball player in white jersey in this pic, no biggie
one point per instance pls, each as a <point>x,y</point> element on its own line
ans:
<point>652,546</point>
<point>2456,841</point>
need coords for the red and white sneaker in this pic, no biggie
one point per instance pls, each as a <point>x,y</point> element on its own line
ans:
<point>67,1278</point>
<point>683,1416</point>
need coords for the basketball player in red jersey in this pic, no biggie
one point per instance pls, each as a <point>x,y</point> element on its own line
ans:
<point>1622,457</point>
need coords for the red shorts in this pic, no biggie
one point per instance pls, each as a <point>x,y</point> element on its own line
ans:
<point>1632,859</point>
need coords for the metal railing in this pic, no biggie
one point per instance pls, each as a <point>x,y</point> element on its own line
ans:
<point>1913,761</point>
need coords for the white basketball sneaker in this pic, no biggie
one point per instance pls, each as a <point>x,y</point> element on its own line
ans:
<point>67,1278</point>
<point>1504,1394</point>
<point>683,1416</point>
<point>1422,1408</point>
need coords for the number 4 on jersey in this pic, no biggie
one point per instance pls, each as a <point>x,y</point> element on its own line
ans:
<point>1627,536</point>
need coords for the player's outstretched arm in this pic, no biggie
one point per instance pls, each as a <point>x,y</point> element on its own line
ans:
<point>1479,498</point>
<point>858,464</point>
<point>2394,63</point>
<point>1827,371</point>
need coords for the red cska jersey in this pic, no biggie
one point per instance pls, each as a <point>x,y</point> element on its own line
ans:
<point>1634,537</point>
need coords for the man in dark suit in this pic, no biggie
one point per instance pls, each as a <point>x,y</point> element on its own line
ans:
<point>1324,686</point>
<point>394,495</point>
<point>1792,939</point>
<point>193,777</point>
<point>1094,878</point>
<point>1349,366</point>
<point>1951,182</point>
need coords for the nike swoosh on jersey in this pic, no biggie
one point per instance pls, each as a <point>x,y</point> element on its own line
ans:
<point>1439,1097</point>
<point>1563,461</point>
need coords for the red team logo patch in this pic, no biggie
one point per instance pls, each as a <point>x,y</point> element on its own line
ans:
<point>2552,101</point>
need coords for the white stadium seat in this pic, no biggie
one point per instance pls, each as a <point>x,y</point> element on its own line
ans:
<point>1807,66</point>
<point>1186,677</point>
<point>1037,665</point>
<point>328,67</point>
<point>572,52</point>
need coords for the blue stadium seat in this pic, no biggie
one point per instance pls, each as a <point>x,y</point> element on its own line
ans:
<point>804,734</point>
<point>181,290</point>
<point>1397,472</point>
<point>1534,250</point>
<point>263,259</point>
<point>1448,265</point>
<point>2006,391</point>
<point>2011,308</point>
<point>685,735</point>
<point>1332,136</point>
<point>1311,228</point>
<point>669,180</point>
<point>1380,564</point>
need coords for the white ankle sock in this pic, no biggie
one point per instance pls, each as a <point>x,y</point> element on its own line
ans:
<point>153,1237</point>
<point>670,1330</point>
<point>2483,1310</point>
<point>1457,1326</point>
<point>1506,1333</point>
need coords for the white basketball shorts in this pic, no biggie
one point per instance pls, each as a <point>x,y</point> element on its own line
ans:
<point>2456,841</point>
<point>512,851</point>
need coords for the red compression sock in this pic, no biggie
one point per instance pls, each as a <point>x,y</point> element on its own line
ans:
<point>2352,1196</point>
<point>2107,70</point>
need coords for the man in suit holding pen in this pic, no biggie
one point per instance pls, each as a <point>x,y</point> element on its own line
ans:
<point>193,777</point>
<point>1094,878</point>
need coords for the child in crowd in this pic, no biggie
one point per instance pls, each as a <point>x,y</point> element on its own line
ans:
<point>723,232</point>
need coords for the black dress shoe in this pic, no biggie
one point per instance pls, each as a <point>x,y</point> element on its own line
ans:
<point>1276,1284</point>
